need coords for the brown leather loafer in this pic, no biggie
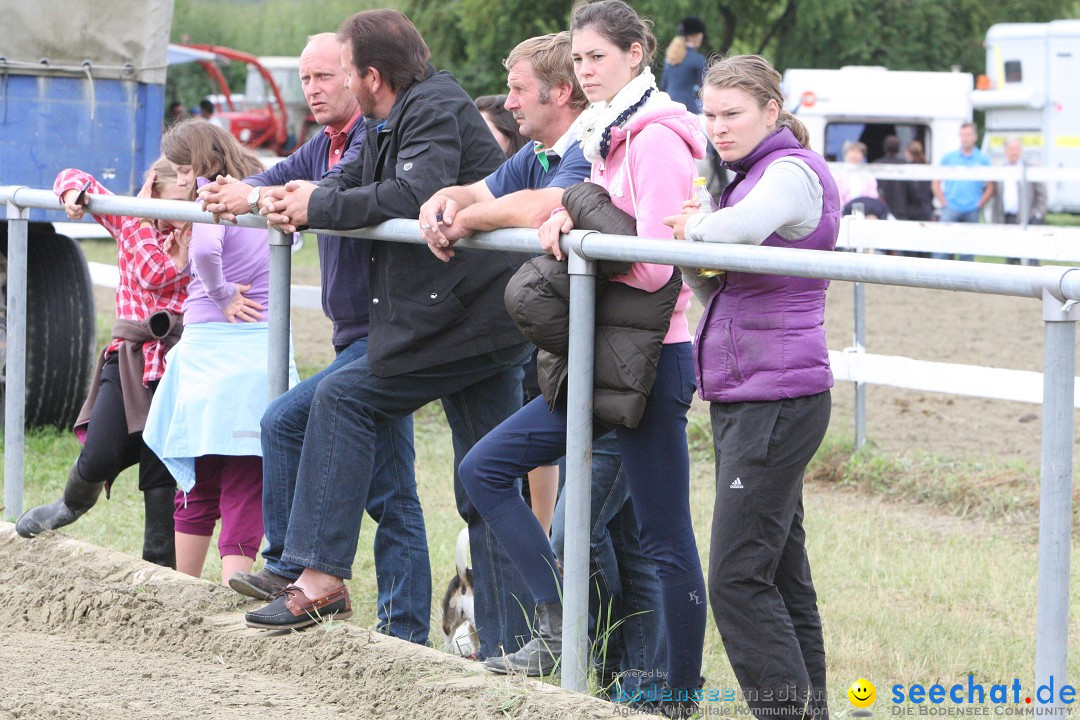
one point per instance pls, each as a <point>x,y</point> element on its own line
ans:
<point>292,609</point>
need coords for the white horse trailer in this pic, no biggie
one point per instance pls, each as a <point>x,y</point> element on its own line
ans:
<point>1031,92</point>
<point>869,103</point>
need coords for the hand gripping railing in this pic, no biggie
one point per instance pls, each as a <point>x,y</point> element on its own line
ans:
<point>1057,287</point>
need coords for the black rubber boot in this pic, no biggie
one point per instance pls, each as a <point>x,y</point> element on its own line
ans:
<point>540,656</point>
<point>159,541</point>
<point>79,496</point>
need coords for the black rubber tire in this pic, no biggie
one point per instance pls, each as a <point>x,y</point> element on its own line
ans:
<point>61,328</point>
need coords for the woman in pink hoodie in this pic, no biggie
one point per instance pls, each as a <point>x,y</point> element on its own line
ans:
<point>642,147</point>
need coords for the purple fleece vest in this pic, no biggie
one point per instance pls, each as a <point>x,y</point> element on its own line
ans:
<point>762,337</point>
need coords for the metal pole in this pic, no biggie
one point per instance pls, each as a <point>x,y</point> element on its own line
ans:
<point>860,346</point>
<point>579,409</point>
<point>280,308</point>
<point>15,375</point>
<point>1055,494</point>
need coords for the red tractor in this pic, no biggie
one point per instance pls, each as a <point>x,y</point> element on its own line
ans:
<point>265,119</point>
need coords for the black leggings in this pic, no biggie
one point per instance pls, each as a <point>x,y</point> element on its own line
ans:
<point>109,448</point>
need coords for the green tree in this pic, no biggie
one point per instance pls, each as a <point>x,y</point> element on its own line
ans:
<point>900,34</point>
<point>258,27</point>
<point>471,37</point>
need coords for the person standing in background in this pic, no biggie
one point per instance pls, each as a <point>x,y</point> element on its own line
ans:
<point>684,65</point>
<point>1012,197</point>
<point>893,192</point>
<point>853,180</point>
<point>501,122</point>
<point>961,200</point>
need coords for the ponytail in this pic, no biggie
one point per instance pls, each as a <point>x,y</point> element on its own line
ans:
<point>676,50</point>
<point>796,127</point>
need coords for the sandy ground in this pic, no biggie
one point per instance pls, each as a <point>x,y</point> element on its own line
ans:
<point>938,325</point>
<point>91,633</point>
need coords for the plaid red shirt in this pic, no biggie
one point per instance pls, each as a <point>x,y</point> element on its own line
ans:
<point>149,281</point>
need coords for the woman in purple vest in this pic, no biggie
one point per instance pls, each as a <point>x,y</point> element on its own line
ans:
<point>762,362</point>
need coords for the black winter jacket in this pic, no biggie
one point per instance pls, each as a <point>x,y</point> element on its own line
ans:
<point>630,323</point>
<point>423,312</point>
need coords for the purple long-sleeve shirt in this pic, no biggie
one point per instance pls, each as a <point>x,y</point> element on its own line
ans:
<point>222,257</point>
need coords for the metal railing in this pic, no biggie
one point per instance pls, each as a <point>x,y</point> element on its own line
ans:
<point>1057,287</point>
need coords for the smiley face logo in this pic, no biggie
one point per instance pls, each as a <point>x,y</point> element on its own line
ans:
<point>862,693</point>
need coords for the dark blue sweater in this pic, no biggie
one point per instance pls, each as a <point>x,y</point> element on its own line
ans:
<point>343,262</point>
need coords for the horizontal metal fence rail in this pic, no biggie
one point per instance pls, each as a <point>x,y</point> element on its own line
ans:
<point>1057,287</point>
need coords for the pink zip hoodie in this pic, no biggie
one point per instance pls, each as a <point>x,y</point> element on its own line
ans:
<point>648,173</point>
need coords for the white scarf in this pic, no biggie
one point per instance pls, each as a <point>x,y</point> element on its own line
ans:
<point>598,116</point>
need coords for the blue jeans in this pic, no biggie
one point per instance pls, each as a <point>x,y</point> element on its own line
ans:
<point>402,569</point>
<point>957,216</point>
<point>623,585</point>
<point>657,466</point>
<point>340,449</point>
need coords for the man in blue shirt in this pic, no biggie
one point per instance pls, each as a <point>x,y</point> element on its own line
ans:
<point>961,200</point>
<point>528,186</point>
<point>546,100</point>
<point>402,568</point>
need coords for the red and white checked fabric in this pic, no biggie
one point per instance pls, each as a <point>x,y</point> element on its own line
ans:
<point>149,281</point>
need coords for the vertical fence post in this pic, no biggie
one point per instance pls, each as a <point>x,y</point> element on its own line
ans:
<point>579,409</point>
<point>280,307</point>
<point>1023,187</point>
<point>1055,494</point>
<point>18,219</point>
<point>860,344</point>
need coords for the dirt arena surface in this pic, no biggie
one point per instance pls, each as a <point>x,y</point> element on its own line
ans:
<point>942,326</point>
<point>91,633</point>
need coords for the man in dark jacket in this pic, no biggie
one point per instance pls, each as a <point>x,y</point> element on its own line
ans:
<point>438,330</point>
<point>402,569</point>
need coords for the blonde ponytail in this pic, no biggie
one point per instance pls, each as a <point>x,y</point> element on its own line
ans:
<point>676,50</point>
<point>796,127</point>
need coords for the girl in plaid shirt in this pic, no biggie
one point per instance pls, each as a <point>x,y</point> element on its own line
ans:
<point>149,296</point>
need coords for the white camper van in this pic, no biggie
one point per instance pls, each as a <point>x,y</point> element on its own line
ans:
<point>869,103</point>
<point>1032,92</point>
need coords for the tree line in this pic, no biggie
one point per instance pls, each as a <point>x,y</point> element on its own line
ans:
<point>471,37</point>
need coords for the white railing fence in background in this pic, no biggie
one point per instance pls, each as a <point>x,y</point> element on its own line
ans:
<point>1057,287</point>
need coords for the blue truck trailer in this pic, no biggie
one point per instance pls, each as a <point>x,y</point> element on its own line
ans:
<point>81,85</point>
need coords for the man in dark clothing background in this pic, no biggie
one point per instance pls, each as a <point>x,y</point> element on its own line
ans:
<point>438,330</point>
<point>893,192</point>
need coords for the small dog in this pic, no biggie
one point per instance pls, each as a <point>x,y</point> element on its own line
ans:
<point>459,617</point>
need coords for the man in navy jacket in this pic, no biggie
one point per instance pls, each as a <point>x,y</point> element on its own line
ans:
<point>401,555</point>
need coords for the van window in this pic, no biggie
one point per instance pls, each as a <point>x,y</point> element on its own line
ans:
<point>1013,73</point>
<point>872,135</point>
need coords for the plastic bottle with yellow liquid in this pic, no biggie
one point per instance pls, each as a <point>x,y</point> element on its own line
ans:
<point>700,192</point>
